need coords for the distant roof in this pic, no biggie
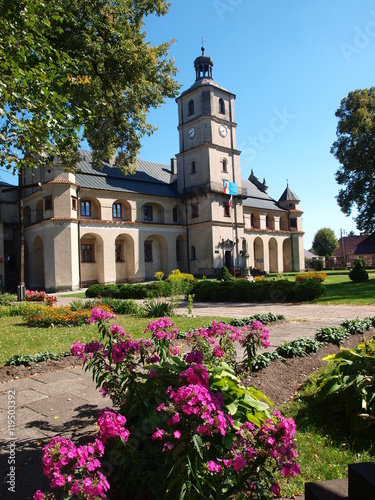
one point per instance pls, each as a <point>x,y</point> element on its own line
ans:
<point>349,244</point>
<point>309,255</point>
<point>149,178</point>
<point>288,195</point>
<point>366,246</point>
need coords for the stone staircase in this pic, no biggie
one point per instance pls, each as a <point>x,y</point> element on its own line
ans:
<point>360,485</point>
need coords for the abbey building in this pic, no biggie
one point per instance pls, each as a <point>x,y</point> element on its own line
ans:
<point>195,214</point>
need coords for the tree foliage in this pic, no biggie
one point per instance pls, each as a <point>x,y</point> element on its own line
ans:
<point>73,65</point>
<point>355,150</point>
<point>325,242</point>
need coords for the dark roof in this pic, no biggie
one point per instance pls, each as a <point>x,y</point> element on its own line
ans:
<point>204,82</point>
<point>258,199</point>
<point>288,195</point>
<point>149,178</point>
<point>350,244</point>
<point>366,246</point>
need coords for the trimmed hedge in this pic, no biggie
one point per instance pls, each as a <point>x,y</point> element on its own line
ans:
<point>130,291</point>
<point>263,291</point>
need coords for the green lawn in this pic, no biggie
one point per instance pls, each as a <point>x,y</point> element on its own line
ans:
<point>341,290</point>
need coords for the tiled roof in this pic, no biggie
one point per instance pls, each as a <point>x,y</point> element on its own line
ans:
<point>350,244</point>
<point>367,246</point>
<point>149,178</point>
<point>258,199</point>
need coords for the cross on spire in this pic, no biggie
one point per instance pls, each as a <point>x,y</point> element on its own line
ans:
<point>203,40</point>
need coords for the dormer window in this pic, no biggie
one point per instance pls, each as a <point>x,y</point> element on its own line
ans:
<point>221,106</point>
<point>190,107</point>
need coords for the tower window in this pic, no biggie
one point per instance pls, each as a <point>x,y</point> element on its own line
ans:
<point>190,108</point>
<point>225,165</point>
<point>175,214</point>
<point>193,167</point>
<point>293,224</point>
<point>221,106</point>
<point>192,253</point>
<point>194,210</point>
<point>48,203</point>
<point>226,209</point>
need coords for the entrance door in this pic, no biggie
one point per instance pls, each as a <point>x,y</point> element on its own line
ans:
<point>228,259</point>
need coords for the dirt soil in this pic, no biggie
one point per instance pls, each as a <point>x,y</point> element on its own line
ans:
<point>279,381</point>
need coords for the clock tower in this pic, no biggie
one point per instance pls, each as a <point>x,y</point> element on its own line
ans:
<point>207,161</point>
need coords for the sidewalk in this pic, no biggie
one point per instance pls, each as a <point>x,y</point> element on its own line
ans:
<point>66,403</point>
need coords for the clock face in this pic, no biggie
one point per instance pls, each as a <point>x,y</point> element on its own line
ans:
<point>222,131</point>
<point>191,132</point>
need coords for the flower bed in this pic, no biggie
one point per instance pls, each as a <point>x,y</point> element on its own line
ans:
<point>43,316</point>
<point>192,430</point>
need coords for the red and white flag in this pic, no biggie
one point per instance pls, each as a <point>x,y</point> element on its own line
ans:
<point>230,203</point>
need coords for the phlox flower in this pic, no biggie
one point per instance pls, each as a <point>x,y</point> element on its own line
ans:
<point>174,419</point>
<point>158,434</point>
<point>111,425</point>
<point>38,495</point>
<point>77,349</point>
<point>153,373</point>
<point>174,350</point>
<point>98,314</point>
<point>213,466</point>
<point>194,357</point>
<point>177,434</point>
<point>195,374</point>
<point>218,352</point>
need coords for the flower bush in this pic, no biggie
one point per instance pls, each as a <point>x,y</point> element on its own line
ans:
<point>192,430</point>
<point>34,296</point>
<point>43,316</point>
<point>311,275</point>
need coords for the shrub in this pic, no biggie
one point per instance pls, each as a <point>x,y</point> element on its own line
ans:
<point>94,290</point>
<point>349,385</point>
<point>159,275</point>
<point>119,306</point>
<point>358,273</point>
<point>311,276</point>
<point>42,316</point>
<point>224,275</point>
<point>308,290</point>
<point>194,430</point>
<point>155,308</point>
<point>332,335</point>
<point>317,264</point>
<point>7,298</point>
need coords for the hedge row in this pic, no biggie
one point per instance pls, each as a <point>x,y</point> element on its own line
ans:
<point>263,291</point>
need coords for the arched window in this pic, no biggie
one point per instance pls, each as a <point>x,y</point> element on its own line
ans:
<point>193,167</point>
<point>225,165</point>
<point>221,106</point>
<point>190,107</point>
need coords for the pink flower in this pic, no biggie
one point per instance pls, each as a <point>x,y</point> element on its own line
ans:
<point>194,357</point>
<point>158,434</point>
<point>38,495</point>
<point>98,314</point>
<point>239,463</point>
<point>153,373</point>
<point>111,425</point>
<point>218,352</point>
<point>177,434</point>
<point>174,419</point>
<point>213,466</point>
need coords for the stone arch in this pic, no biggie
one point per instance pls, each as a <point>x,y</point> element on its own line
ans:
<point>152,212</point>
<point>125,258</point>
<point>272,251</point>
<point>91,259</point>
<point>258,254</point>
<point>38,264</point>
<point>287,255</point>
<point>255,220</point>
<point>155,256</point>
<point>90,208</point>
<point>121,210</point>
<point>270,221</point>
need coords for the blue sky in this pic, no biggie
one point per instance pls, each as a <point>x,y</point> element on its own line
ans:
<point>295,59</point>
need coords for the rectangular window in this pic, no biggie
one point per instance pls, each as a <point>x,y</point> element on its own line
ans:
<point>48,203</point>
<point>194,210</point>
<point>292,224</point>
<point>88,253</point>
<point>117,211</point>
<point>74,203</point>
<point>226,210</point>
<point>85,208</point>
<point>148,251</point>
<point>119,254</point>
<point>147,215</point>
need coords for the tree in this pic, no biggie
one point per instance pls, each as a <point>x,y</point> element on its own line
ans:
<point>68,66</point>
<point>325,242</point>
<point>355,150</point>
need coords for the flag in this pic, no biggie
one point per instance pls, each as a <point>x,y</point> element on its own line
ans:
<point>230,203</point>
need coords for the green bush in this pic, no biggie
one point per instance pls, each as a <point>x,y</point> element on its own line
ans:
<point>308,290</point>
<point>224,275</point>
<point>358,273</point>
<point>94,290</point>
<point>317,264</point>
<point>120,306</point>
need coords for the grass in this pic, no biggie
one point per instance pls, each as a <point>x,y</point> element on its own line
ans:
<point>325,447</point>
<point>341,290</point>
<point>17,338</point>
